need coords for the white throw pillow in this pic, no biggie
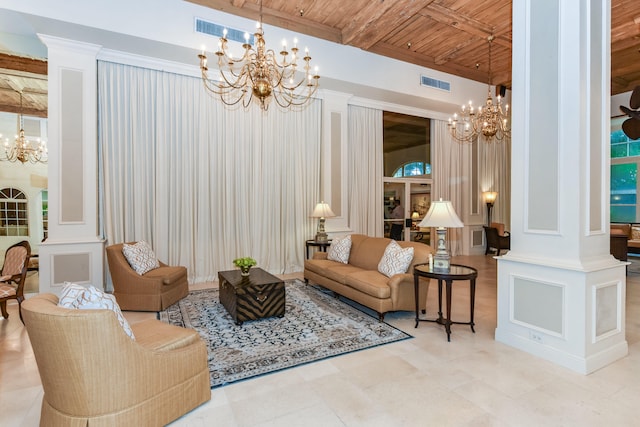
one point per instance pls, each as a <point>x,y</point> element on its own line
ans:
<point>140,257</point>
<point>395,259</point>
<point>91,298</point>
<point>340,249</point>
<point>69,294</point>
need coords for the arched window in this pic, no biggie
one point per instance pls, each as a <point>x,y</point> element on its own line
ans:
<point>13,213</point>
<point>413,169</point>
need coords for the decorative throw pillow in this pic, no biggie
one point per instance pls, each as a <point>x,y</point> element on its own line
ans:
<point>140,257</point>
<point>340,249</point>
<point>91,298</point>
<point>69,294</point>
<point>635,233</point>
<point>395,259</point>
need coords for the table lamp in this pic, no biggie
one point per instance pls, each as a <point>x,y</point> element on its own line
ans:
<point>489,199</point>
<point>322,211</point>
<point>441,215</point>
<point>415,216</point>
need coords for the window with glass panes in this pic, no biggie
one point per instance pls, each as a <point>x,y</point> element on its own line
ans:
<point>13,213</point>
<point>625,158</point>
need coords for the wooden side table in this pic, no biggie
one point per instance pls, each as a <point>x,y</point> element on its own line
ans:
<point>456,272</point>
<point>322,245</point>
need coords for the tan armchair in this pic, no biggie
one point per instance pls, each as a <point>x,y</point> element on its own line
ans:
<point>153,291</point>
<point>94,374</point>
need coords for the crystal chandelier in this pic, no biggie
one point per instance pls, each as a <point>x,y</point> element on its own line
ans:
<point>491,119</point>
<point>22,149</point>
<point>259,74</point>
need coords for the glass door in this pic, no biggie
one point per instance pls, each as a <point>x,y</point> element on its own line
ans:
<point>406,202</point>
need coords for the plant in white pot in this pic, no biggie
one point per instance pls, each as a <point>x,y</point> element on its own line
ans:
<point>244,264</point>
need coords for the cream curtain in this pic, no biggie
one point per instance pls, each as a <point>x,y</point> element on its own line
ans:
<point>202,183</point>
<point>495,175</point>
<point>366,214</point>
<point>449,178</point>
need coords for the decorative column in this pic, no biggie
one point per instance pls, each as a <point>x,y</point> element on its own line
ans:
<point>561,295</point>
<point>74,252</point>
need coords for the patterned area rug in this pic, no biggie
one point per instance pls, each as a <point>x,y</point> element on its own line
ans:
<point>315,326</point>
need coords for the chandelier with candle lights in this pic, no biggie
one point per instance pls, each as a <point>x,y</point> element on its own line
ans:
<point>260,75</point>
<point>491,119</point>
<point>22,149</point>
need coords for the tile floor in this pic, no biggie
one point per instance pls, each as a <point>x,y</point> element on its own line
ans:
<point>426,381</point>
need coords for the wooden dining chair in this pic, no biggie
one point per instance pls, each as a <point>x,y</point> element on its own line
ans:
<point>13,275</point>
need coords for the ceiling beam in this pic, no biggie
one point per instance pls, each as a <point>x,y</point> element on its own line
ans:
<point>464,23</point>
<point>20,63</point>
<point>374,21</point>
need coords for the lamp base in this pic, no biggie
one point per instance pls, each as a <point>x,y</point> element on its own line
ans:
<point>442,259</point>
<point>441,262</point>
<point>322,238</point>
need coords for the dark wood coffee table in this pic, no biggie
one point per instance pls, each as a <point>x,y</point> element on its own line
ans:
<point>251,297</point>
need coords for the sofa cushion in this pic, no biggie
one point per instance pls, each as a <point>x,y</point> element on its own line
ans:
<point>370,282</point>
<point>140,257</point>
<point>395,260</point>
<point>339,249</point>
<point>366,251</point>
<point>320,266</point>
<point>635,233</point>
<point>340,272</point>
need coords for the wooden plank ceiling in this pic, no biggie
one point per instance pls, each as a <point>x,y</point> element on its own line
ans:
<point>446,35</point>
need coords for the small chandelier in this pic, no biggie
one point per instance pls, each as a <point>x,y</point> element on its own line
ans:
<point>22,149</point>
<point>491,120</point>
<point>259,74</point>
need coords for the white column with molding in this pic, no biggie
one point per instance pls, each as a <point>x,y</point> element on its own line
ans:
<point>561,296</point>
<point>74,251</point>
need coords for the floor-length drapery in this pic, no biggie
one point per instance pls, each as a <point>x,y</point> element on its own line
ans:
<point>201,182</point>
<point>365,171</point>
<point>495,175</point>
<point>449,178</point>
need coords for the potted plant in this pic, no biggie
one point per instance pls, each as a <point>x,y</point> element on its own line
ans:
<point>244,264</point>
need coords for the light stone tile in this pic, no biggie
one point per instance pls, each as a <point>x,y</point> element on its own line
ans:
<point>274,404</point>
<point>314,416</point>
<point>471,381</point>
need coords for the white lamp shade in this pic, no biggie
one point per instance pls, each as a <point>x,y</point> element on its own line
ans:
<point>322,210</point>
<point>441,214</point>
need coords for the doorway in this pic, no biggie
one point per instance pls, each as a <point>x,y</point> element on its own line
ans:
<point>406,202</point>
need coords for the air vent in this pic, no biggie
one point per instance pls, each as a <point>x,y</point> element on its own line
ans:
<point>435,83</point>
<point>217,30</point>
<point>32,127</point>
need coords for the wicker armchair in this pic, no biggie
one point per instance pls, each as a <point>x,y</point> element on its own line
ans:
<point>94,374</point>
<point>153,291</point>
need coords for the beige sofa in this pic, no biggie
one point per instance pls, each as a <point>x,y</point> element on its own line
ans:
<point>360,280</point>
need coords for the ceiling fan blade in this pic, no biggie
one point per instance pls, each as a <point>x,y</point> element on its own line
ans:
<point>631,128</point>
<point>634,102</point>
<point>630,113</point>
